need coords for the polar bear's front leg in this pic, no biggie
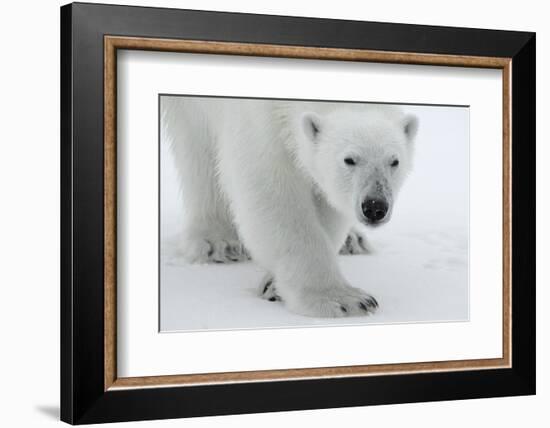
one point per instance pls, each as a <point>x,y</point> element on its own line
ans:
<point>277,219</point>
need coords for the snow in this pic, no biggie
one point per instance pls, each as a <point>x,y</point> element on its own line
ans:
<point>418,270</point>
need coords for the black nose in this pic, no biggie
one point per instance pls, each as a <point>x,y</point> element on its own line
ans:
<point>374,210</point>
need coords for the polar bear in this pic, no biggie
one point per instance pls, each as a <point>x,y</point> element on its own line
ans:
<point>285,182</point>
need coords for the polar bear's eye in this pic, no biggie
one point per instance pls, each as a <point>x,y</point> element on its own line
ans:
<point>394,163</point>
<point>349,161</point>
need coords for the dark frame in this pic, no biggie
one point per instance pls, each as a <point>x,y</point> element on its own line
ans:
<point>84,398</point>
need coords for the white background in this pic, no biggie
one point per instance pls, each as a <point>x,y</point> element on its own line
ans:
<point>29,231</point>
<point>144,352</point>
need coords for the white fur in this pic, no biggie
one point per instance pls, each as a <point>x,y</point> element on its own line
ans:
<point>271,175</point>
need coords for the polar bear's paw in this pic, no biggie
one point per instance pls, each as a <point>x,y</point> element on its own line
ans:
<point>355,243</point>
<point>203,250</point>
<point>335,303</point>
<point>268,290</point>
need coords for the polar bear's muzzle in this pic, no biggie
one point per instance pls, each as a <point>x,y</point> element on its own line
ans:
<point>376,205</point>
<point>375,210</point>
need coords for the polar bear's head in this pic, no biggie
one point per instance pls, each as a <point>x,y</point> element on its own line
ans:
<point>358,157</point>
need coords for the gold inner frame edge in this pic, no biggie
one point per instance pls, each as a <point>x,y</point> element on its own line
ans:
<point>113,43</point>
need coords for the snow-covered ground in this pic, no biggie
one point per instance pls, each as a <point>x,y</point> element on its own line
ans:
<point>418,271</point>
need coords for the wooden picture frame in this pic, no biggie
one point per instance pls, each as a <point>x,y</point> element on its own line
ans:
<point>91,391</point>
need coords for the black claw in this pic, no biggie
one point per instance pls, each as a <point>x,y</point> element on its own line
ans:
<point>362,306</point>
<point>361,243</point>
<point>344,309</point>
<point>371,302</point>
<point>267,285</point>
<point>272,299</point>
<point>211,249</point>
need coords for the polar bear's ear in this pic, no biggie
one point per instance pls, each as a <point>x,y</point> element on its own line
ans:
<point>311,123</point>
<point>410,126</point>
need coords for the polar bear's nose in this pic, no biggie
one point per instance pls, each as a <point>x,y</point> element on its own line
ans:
<point>374,210</point>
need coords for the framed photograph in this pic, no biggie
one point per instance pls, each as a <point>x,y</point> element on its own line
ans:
<point>266,213</point>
